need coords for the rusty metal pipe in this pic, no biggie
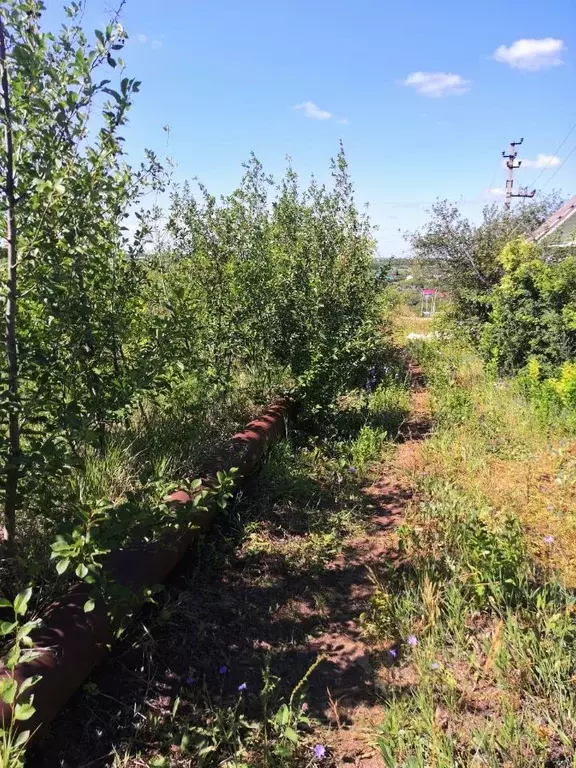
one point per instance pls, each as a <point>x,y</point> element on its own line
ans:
<point>73,641</point>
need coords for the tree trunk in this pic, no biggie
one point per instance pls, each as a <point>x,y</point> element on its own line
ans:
<point>13,461</point>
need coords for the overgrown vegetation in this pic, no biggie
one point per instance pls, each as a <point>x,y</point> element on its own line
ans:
<point>224,674</point>
<point>513,298</point>
<point>533,310</point>
<point>478,616</point>
<point>483,592</point>
<point>463,258</point>
<point>130,357</point>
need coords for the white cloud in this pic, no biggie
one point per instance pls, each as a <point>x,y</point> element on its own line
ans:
<point>343,121</point>
<point>314,112</point>
<point>437,84</point>
<point>497,192</point>
<point>145,40</point>
<point>532,54</point>
<point>541,161</point>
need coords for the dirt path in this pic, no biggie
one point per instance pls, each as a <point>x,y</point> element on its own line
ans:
<point>241,608</point>
<point>350,677</point>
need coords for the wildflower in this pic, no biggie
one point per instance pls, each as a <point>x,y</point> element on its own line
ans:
<point>393,652</point>
<point>190,680</point>
<point>434,665</point>
<point>352,469</point>
<point>305,707</point>
<point>223,670</point>
<point>319,751</point>
<point>371,381</point>
<point>242,687</point>
<point>412,640</point>
<point>549,539</point>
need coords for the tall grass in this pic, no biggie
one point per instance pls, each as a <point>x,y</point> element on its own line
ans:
<point>484,595</point>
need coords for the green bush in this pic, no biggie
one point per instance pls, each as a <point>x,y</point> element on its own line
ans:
<point>534,311</point>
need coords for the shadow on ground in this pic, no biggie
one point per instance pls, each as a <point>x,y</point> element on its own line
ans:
<point>242,610</point>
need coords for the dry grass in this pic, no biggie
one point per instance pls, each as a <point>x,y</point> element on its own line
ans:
<point>502,453</point>
<point>407,321</point>
<point>488,679</point>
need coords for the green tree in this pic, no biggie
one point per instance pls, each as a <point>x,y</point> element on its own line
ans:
<point>71,282</point>
<point>462,258</point>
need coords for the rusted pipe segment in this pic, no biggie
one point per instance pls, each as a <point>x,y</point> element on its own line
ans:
<point>73,641</point>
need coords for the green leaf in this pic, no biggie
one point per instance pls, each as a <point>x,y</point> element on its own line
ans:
<point>24,711</point>
<point>8,688</point>
<point>22,739</point>
<point>115,95</point>
<point>29,682</point>
<point>62,565</point>
<point>21,601</point>
<point>5,603</point>
<point>81,571</point>
<point>282,717</point>
<point>13,657</point>
<point>291,734</point>
<point>89,606</point>
<point>6,627</point>
<point>207,750</point>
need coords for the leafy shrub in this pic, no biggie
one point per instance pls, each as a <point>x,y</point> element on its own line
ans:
<point>533,311</point>
<point>564,385</point>
<point>142,340</point>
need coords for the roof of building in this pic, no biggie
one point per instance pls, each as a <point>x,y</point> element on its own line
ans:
<point>559,217</point>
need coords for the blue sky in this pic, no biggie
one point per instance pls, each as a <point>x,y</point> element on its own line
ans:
<point>425,94</point>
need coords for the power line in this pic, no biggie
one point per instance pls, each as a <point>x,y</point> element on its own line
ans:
<point>493,179</point>
<point>560,166</point>
<point>564,140</point>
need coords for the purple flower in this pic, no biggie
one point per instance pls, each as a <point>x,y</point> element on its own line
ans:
<point>305,707</point>
<point>434,665</point>
<point>371,381</point>
<point>319,751</point>
<point>393,652</point>
<point>242,687</point>
<point>412,640</point>
<point>549,539</point>
<point>352,469</point>
<point>223,670</point>
<point>190,680</point>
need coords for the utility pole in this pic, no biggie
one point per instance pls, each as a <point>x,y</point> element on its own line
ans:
<point>512,165</point>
